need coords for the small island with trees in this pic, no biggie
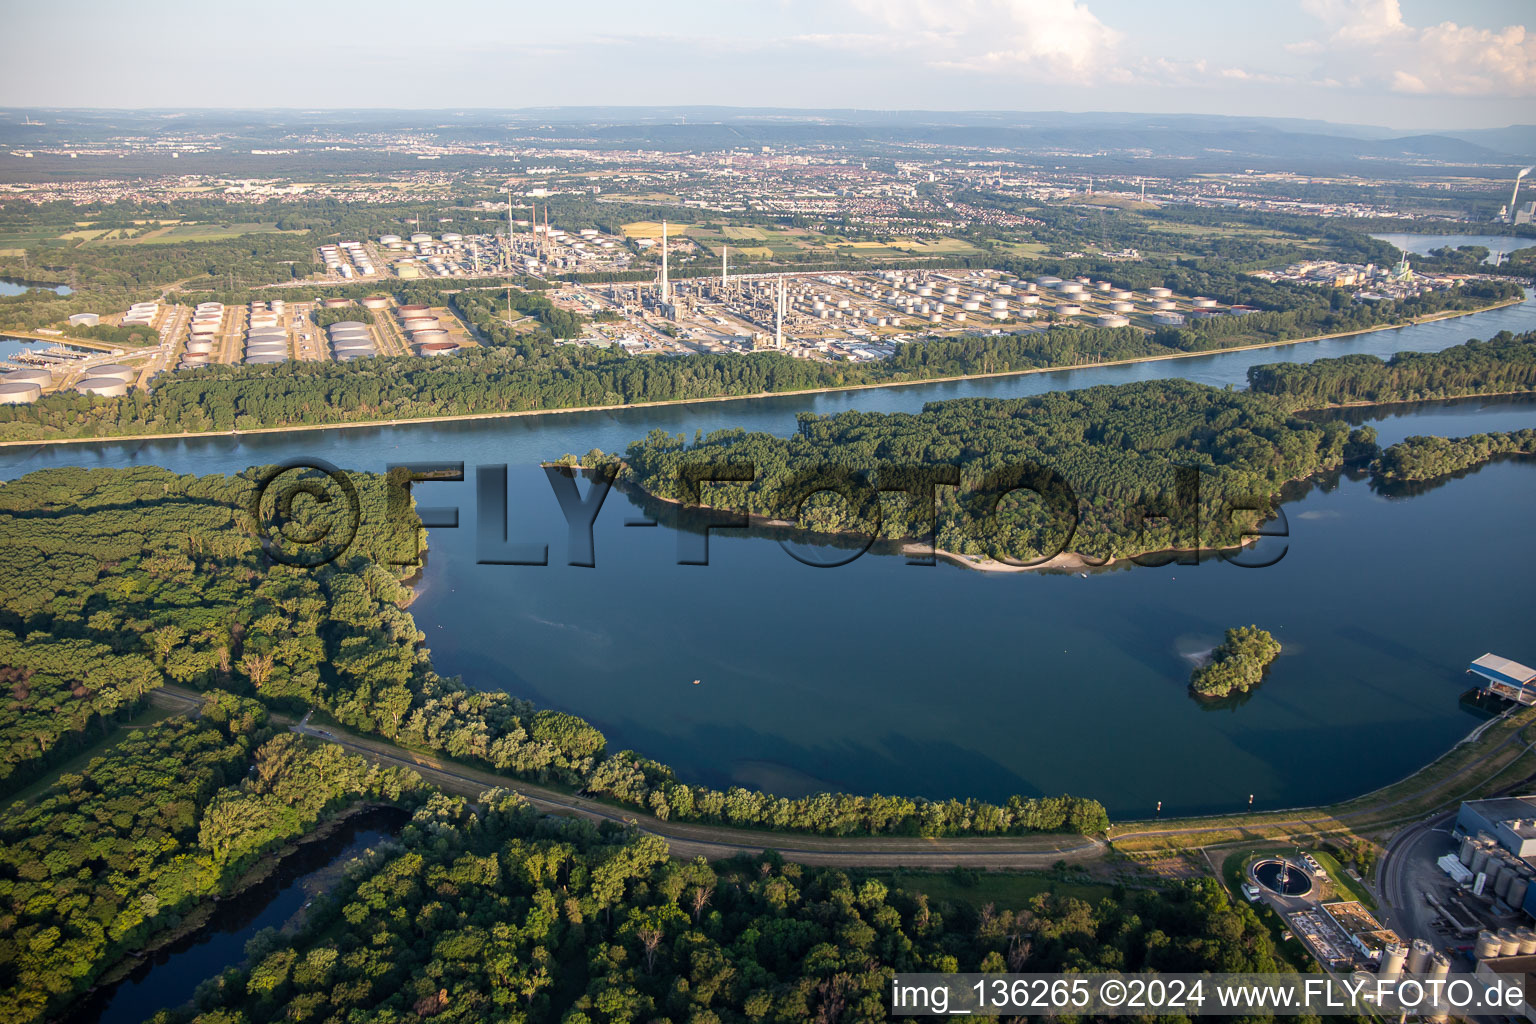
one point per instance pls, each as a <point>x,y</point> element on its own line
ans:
<point>1237,665</point>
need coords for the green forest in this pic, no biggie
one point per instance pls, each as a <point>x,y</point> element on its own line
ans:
<point>1237,664</point>
<point>1504,364</point>
<point>1096,471</point>
<point>1418,458</point>
<point>507,916</point>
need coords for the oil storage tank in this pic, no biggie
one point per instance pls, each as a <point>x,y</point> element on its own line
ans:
<point>107,387</point>
<point>117,371</point>
<point>42,378</point>
<point>19,392</point>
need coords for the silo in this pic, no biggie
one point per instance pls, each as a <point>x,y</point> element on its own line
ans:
<point>1468,847</point>
<point>1509,944</point>
<point>19,393</point>
<point>1487,946</point>
<point>1519,885</point>
<point>1494,869</point>
<point>971,306</point>
<point>1509,875</point>
<point>107,387</point>
<point>1419,954</point>
<point>935,318</point>
<point>42,378</point>
<point>1480,859</point>
<point>1393,956</point>
<point>1527,940</point>
<point>116,371</point>
<point>278,306</point>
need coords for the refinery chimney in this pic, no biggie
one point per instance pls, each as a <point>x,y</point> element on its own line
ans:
<point>665,288</point>
<point>778,320</point>
<point>1516,193</point>
<point>725,267</point>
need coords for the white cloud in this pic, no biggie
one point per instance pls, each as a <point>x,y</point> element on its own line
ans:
<point>1040,39</point>
<point>1368,44</point>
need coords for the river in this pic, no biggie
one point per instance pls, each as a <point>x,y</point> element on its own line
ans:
<point>1423,245</point>
<point>169,977</point>
<point>881,676</point>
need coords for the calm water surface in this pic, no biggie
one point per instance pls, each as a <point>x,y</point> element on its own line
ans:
<point>940,681</point>
<point>1424,244</point>
<point>169,978</point>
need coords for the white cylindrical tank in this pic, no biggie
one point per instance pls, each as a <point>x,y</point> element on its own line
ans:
<point>1419,954</point>
<point>116,371</point>
<point>1164,304</point>
<point>1439,966</point>
<point>205,329</point>
<point>1122,307</point>
<point>1527,941</point>
<point>1119,294</point>
<point>42,378</point>
<point>1487,946</point>
<point>1494,869</point>
<point>1393,956</point>
<point>1201,302</point>
<point>199,346</point>
<point>1519,885</point>
<point>1112,320</point>
<point>19,392</point>
<point>1509,944</point>
<point>376,302</point>
<point>1160,293</point>
<point>1068,309</point>
<point>107,387</point>
<point>1480,857</point>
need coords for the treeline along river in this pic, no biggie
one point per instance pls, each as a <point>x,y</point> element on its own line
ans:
<point>938,681</point>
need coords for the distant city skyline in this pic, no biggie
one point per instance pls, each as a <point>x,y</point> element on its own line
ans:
<point>1405,64</point>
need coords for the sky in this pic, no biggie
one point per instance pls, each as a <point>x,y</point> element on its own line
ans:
<point>1405,64</point>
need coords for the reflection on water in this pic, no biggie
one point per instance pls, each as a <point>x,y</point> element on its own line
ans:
<point>168,978</point>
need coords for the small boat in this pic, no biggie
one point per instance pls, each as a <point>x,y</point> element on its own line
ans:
<point>695,682</point>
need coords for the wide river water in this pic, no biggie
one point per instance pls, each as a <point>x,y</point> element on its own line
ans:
<point>939,681</point>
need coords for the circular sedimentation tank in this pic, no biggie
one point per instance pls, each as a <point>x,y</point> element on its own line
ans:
<point>1280,877</point>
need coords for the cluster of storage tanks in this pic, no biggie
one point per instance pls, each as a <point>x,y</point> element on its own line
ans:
<point>351,339</point>
<point>426,331</point>
<point>342,257</point>
<point>935,300</point>
<point>1118,301</point>
<point>110,381</point>
<point>1418,958</point>
<point>23,387</point>
<point>1505,876</point>
<point>266,340</point>
<point>207,325</point>
<point>141,314</point>
<point>1504,942</point>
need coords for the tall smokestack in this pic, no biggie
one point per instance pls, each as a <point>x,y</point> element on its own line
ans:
<point>1516,193</point>
<point>778,320</point>
<point>725,266</point>
<point>665,287</point>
